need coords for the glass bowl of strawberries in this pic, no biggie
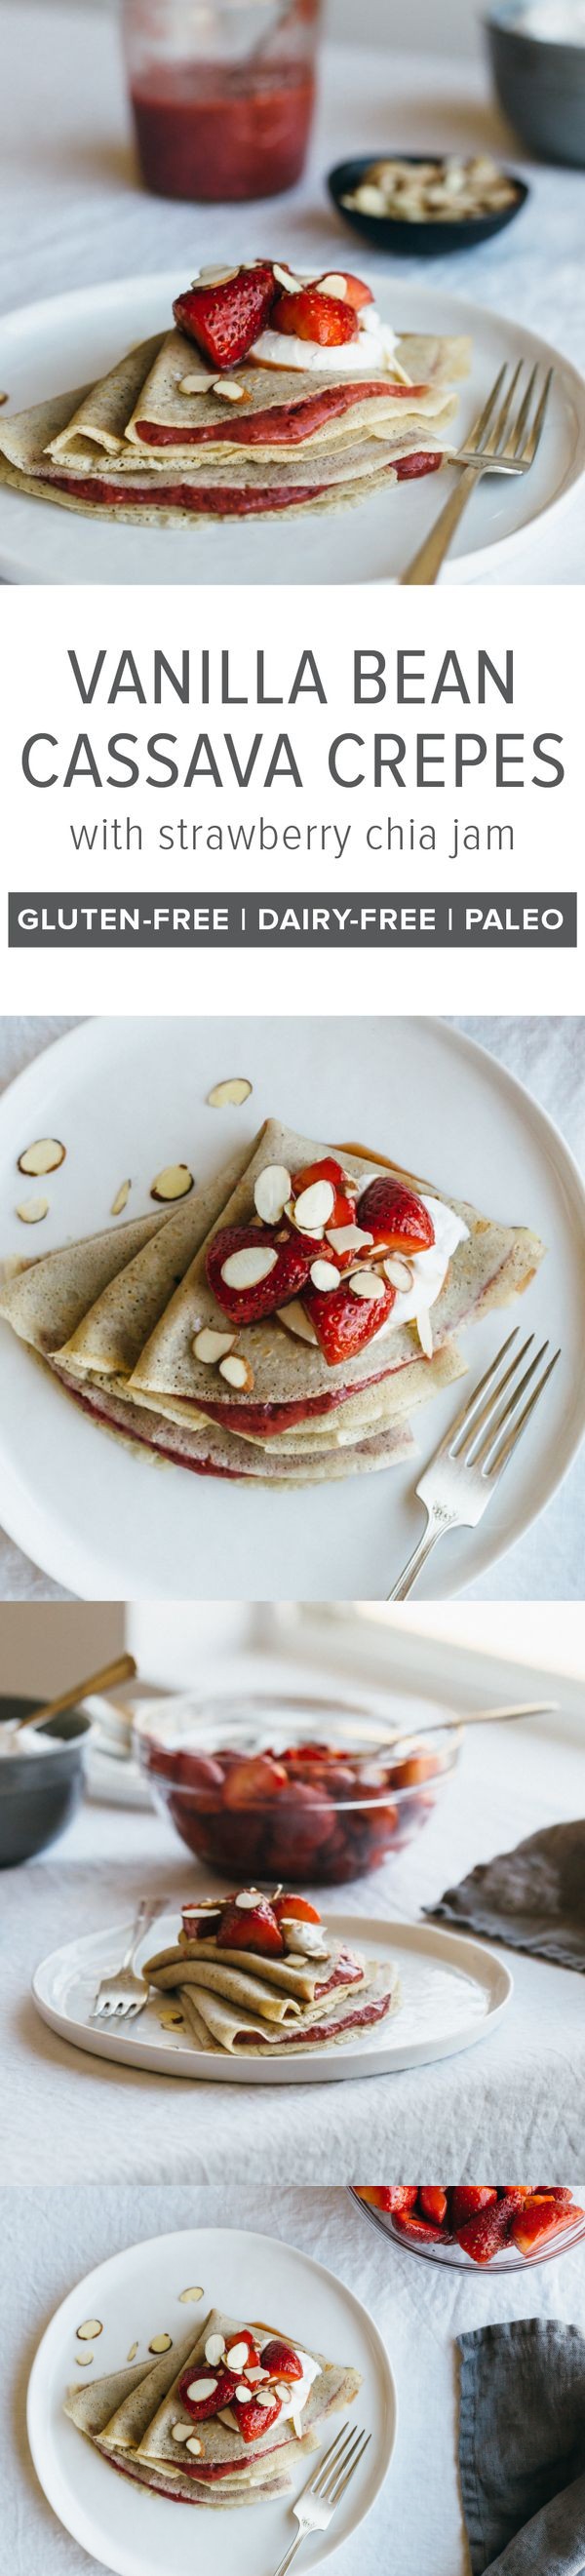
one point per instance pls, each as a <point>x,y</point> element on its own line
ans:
<point>305,1790</point>
<point>496,2227</point>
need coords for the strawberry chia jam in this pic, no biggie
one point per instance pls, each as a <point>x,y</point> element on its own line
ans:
<point>218,133</point>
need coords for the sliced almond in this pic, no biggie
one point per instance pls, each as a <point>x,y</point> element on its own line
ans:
<point>324,1275</point>
<point>32,1211</point>
<point>243,2395</point>
<point>229,389</point>
<point>88,2333</point>
<point>236,2357</point>
<point>365,1283</point>
<point>265,2397</point>
<point>296,1321</point>
<point>425,1332</point>
<point>314,1206</point>
<point>131,2355</point>
<point>174,1183</point>
<point>237,1373</point>
<point>248,1899</point>
<point>317,1231</point>
<point>271,1192</point>
<point>160,2343</point>
<point>254,2374</point>
<point>192,2444</point>
<point>214,2349</point>
<point>333,286</point>
<point>41,1158</point>
<point>84,2364</point>
<point>291,285</point>
<point>182,2432</point>
<point>186,2295</point>
<point>200,2388</point>
<point>399,1272</point>
<point>215,276</point>
<point>120,1199</point>
<point>348,1238</point>
<point>246,1268</point>
<point>195,384</point>
<point>171,2020</point>
<point>210,1347</point>
<point>229,1094</point>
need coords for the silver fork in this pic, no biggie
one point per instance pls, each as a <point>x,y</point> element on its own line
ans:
<point>123,1994</point>
<point>313,2509</point>
<point>459,1482</point>
<point>504,440</point>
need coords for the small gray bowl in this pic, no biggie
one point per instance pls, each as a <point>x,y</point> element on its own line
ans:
<point>39,1795</point>
<point>540,85</point>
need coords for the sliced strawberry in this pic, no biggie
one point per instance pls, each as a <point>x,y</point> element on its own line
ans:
<point>343,1210</point>
<point>242,2353</point>
<point>295,1909</point>
<point>220,2385</point>
<point>484,2235</point>
<point>344,1323</point>
<point>281,2361</point>
<point>395,1217</point>
<point>255,1782</point>
<point>433,2202</point>
<point>224,321</point>
<point>391,2196</point>
<point>312,316</point>
<point>253,2419</point>
<point>284,1281</point>
<point>539,2219</point>
<point>551,2191</point>
<point>466,2198</point>
<point>420,2230</point>
<point>246,1927</point>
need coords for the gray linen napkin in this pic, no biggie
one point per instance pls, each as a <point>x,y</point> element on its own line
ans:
<point>532,1898</point>
<point>522,2448</point>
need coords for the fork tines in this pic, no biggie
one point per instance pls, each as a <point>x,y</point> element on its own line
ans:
<point>486,1430</point>
<point>507,436</point>
<point>337,2466</point>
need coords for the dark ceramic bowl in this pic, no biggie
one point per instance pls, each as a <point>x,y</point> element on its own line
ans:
<point>541,87</point>
<point>415,241</point>
<point>40,1794</point>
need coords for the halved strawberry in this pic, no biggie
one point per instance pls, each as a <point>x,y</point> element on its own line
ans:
<point>280,2360</point>
<point>254,1782</point>
<point>345,1323</point>
<point>214,2388</point>
<point>242,2353</point>
<point>247,1927</point>
<point>538,2219</point>
<point>284,1280</point>
<point>327,319</point>
<point>395,1217</point>
<point>343,1210</point>
<point>484,2235</point>
<point>253,2419</point>
<point>421,2230</point>
<point>433,2202</point>
<point>390,2196</point>
<point>355,291</point>
<point>466,2198</point>
<point>295,1909</point>
<point>224,321</point>
<point>551,2191</point>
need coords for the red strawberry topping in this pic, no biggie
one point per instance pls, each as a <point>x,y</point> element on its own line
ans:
<point>224,321</point>
<point>255,1782</point>
<point>280,2360</point>
<point>422,2230</point>
<point>310,315</point>
<point>433,2201</point>
<point>483,2236</point>
<point>253,2419</point>
<point>220,2385</point>
<point>295,1909</point>
<point>283,1281</point>
<point>355,291</point>
<point>467,2198</point>
<point>540,2218</point>
<point>395,1217</point>
<point>343,1210</point>
<point>390,2196</point>
<point>345,1323</point>
<point>234,2351</point>
<point>247,1927</point>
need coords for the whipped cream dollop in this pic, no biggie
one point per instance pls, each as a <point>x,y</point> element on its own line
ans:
<point>430,1267</point>
<point>294,2393</point>
<point>374,348</point>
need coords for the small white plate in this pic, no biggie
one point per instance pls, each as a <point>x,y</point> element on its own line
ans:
<point>71,339</point>
<point>453,1992</point>
<point>137,2294</point>
<point>128,1095</point>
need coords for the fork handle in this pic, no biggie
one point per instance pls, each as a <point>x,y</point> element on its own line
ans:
<point>427,563</point>
<point>145,1915</point>
<point>434,1530</point>
<point>289,2554</point>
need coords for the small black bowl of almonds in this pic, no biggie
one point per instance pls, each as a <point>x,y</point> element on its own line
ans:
<point>419,205</point>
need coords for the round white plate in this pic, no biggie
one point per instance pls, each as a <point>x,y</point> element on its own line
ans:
<point>137,2294</point>
<point>130,1095</point>
<point>72,339</point>
<point>453,1993</point>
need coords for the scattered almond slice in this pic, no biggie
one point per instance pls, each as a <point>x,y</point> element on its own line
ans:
<point>131,2355</point>
<point>236,2357</point>
<point>291,285</point>
<point>45,1156</point>
<point>88,2333</point>
<point>84,2364</point>
<point>238,1374</point>
<point>182,2432</point>
<point>243,2395</point>
<point>325,1276</point>
<point>229,389</point>
<point>160,2343</point>
<point>229,1094</point>
<point>200,2388</point>
<point>3,398</point>
<point>215,2348</point>
<point>174,1183</point>
<point>185,2295</point>
<point>245,1269</point>
<point>120,1199</point>
<point>32,1211</point>
<point>272,1192</point>
<point>399,1272</point>
<point>193,2445</point>
<point>425,1332</point>
<point>317,1231</point>
<point>210,1346</point>
<point>214,276</point>
<point>296,1321</point>
<point>196,384</point>
<point>333,286</point>
<point>365,1283</point>
<point>171,2021</point>
<point>314,1206</point>
<point>348,1238</point>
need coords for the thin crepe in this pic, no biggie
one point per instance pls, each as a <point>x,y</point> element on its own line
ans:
<point>431,364</point>
<point>113,1330</point>
<point>209,1450</point>
<point>46,1303</point>
<point>292,1977</point>
<point>214,2025</point>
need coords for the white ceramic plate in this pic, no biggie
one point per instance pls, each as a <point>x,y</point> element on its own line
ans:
<point>129,1096</point>
<point>72,339</point>
<point>137,2294</point>
<point>453,1992</point>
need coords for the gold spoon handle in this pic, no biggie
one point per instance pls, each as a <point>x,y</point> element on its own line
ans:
<point>123,1669</point>
<point>481,1717</point>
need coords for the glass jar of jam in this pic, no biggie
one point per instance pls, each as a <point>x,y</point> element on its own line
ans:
<point>222,95</point>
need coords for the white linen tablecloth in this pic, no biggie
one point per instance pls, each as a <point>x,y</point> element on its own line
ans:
<point>51,2238</point>
<point>520,2092</point>
<point>547,1564</point>
<point>71,212</point>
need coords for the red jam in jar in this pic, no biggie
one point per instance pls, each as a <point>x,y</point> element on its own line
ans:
<point>217,133</point>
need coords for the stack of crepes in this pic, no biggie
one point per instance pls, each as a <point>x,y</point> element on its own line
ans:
<point>137,446</point>
<point>245,2002</point>
<point>117,1316</point>
<point>129,2416</point>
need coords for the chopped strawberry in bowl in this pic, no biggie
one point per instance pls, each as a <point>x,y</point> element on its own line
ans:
<point>485,2226</point>
<point>289,1792</point>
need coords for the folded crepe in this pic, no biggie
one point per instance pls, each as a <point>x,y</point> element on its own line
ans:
<point>46,1302</point>
<point>209,1450</point>
<point>235,2000</point>
<point>215,2025</point>
<point>281,409</point>
<point>129,2418</point>
<point>112,1331</point>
